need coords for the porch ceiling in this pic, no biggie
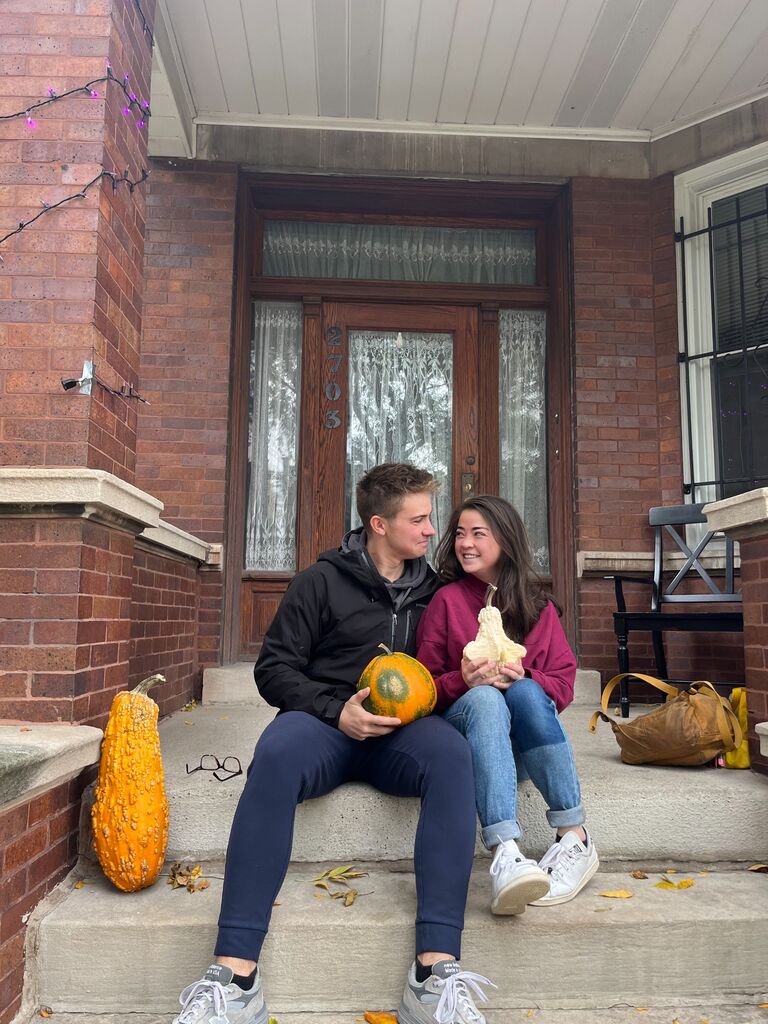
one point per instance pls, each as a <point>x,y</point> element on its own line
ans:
<point>615,69</point>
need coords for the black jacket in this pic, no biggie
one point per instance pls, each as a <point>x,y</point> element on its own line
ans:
<point>329,625</point>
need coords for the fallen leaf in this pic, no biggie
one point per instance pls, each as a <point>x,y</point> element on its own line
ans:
<point>322,885</point>
<point>675,1020</point>
<point>618,894</point>
<point>45,1011</point>
<point>80,884</point>
<point>319,895</point>
<point>704,1020</point>
<point>703,874</point>
<point>272,1020</point>
<point>601,910</point>
<point>337,872</point>
<point>25,728</point>
<point>202,884</point>
<point>762,1006</point>
<point>638,874</point>
<point>667,883</point>
<point>374,1017</point>
<point>671,871</point>
<point>762,868</point>
<point>642,1009</point>
<point>184,876</point>
<point>530,1013</point>
<point>350,897</point>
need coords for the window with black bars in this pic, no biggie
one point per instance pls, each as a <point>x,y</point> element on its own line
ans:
<point>725,376</point>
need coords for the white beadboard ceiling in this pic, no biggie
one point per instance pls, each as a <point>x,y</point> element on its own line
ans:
<point>603,68</point>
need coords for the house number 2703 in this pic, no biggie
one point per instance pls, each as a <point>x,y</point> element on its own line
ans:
<point>332,391</point>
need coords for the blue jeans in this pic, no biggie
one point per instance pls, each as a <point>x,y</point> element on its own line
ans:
<point>298,757</point>
<point>513,732</point>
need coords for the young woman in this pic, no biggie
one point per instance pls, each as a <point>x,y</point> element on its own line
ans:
<point>509,712</point>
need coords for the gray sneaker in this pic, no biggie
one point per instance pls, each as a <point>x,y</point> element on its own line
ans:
<point>216,999</point>
<point>444,998</point>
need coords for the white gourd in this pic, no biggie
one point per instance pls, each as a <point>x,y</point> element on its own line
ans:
<point>491,641</point>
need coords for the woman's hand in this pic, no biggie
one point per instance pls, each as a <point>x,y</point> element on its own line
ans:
<point>511,672</point>
<point>475,673</point>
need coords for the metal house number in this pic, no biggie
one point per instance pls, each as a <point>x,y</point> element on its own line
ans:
<point>332,389</point>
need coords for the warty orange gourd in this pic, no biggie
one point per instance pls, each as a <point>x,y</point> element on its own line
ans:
<point>130,813</point>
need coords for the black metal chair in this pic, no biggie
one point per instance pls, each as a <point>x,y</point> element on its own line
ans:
<point>665,520</point>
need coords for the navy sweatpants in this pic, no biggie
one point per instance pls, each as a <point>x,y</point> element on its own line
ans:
<point>299,757</point>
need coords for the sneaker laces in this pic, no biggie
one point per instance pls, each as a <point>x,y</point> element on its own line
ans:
<point>505,852</point>
<point>456,996</point>
<point>559,858</point>
<point>195,997</point>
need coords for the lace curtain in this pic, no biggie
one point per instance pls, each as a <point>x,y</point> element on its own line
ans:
<point>273,436</point>
<point>522,426</point>
<point>399,252</point>
<point>400,409</point>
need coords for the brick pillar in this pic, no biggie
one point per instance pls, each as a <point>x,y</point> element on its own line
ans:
<point>71,289</point>
<point>71,284</point>
<point>754,584</point>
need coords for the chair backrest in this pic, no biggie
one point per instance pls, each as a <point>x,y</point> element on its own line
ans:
<point>669,522</point>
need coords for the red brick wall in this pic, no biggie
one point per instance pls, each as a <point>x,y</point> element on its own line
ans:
<point>164,624</point>
<point>628,434</point>
<point>754,577</point>
<point>38,845</point>
<point>185,360</point>
<point>71,283</point>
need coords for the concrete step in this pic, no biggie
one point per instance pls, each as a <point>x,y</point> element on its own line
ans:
<point>740,1013</point>
<point>704,945</point>
<point>233,684</point>
<point>658,815</point>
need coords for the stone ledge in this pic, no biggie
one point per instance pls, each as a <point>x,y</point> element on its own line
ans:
<point>741,517</point>
<point>36,758</point>
<point>762,734</point>
<point>598,563</point>
<point>165,535</point>
<point>98,492</point>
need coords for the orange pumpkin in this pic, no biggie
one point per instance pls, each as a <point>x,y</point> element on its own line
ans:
<point>401,687</point>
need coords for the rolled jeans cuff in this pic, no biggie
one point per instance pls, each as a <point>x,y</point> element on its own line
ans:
<point>499,833</point>
<point>573,816</point>
<point>438,938</point>
<point>243,943</point>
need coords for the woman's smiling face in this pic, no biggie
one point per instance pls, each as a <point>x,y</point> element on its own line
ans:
<point>477,550</point>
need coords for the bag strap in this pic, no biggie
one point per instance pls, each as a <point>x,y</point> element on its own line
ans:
<point>610,686</point>
<point>732,737</point>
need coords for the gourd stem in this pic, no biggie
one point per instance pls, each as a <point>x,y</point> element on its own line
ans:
<point>144,686</point>
<point>492,588</point>
<point>385,648</point>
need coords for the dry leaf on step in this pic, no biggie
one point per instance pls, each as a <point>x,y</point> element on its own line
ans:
<point>667,883</point>
<point>642,1009</point>
<point>45,1011</point>
<point>374,1017</point>
<point>638,874</point>
<point>618,894</point>
<point>761,868</point>
<point>80,884</point>
<point>273,1020</point>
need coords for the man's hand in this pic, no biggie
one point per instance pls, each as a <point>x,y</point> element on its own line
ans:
<point>360,724</point>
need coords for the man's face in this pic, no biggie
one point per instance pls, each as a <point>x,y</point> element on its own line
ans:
<point>408,532</point>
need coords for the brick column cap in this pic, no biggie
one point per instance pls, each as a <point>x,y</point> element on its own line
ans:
<point>35,758</point>
<point>96,489</point>
<point>742,516</point>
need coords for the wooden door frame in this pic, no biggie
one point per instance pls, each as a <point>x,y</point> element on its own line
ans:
<point>459,203</point>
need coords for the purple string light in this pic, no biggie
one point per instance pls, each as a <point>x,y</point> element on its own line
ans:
<point>134,105</point>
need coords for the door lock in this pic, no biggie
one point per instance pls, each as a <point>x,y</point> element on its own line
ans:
<point>467,485</point>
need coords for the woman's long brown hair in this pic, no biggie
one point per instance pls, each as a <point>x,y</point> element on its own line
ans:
<point>520,595</point>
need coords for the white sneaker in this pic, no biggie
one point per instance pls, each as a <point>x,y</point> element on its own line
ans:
<point>515,880</point>
<point>444,998</point>
<point>570,864</point>
<point>216,999</point>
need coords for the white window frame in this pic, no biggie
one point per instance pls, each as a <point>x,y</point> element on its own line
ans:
<point>695,192</point>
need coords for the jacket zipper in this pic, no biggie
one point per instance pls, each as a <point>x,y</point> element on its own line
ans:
<point>407,628</point>
<point>394,629</point>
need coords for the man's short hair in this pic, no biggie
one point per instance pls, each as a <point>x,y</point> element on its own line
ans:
<point>382,490</point>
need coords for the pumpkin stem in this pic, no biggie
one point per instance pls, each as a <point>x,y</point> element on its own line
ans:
<point>385,649</point>
<point>489,594</point>
<point>144,686</point>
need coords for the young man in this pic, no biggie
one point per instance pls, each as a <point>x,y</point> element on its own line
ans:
<point>372,589</point>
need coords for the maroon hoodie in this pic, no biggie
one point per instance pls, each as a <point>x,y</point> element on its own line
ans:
<point>450,622</point>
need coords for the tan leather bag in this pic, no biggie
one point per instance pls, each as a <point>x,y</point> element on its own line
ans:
<point>691,728</point>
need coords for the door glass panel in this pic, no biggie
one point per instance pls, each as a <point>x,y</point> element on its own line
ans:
<point>273,436</point>
<point>400,409</point>
<point>522,423</point>
<point>399,252</point>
